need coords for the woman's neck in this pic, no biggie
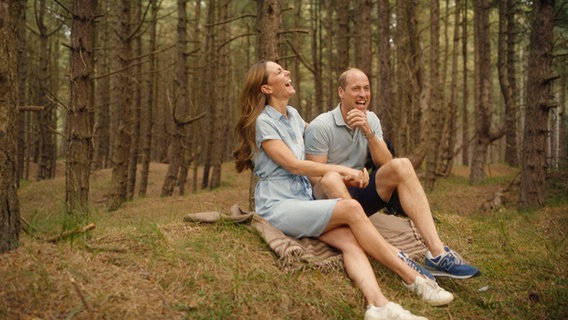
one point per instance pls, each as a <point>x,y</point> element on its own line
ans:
<point>279,105</point>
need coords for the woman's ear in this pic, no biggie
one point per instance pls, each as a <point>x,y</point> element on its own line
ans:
<point>265,89</point>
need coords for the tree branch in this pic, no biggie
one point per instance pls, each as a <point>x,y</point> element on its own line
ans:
<point>69,233</point>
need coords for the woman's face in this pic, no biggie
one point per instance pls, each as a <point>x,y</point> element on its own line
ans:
<point>279,84</point>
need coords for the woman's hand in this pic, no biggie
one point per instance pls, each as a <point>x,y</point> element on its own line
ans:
<point>356,178</point>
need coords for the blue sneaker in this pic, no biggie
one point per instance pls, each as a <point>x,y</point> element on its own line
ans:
<point>450,264</point>
<point>415,265</point>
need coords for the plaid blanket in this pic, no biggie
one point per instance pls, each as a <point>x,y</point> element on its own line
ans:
<point>295,254</point>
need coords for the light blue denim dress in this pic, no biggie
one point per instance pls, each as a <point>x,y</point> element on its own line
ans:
<point>283,199</point>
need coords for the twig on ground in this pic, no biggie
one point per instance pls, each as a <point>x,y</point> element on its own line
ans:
<point>69,233</point>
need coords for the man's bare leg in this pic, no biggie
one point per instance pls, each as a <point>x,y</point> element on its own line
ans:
<point>398,174</point>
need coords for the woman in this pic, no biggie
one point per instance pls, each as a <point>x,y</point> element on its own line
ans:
<point>271,143</point>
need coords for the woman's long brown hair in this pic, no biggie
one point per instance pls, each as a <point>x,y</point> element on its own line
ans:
<point>251,103</point>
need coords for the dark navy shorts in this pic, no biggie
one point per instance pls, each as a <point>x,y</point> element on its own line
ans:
<point>370,199</point>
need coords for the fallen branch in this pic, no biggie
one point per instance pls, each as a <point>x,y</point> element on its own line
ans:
<point>69,233</point>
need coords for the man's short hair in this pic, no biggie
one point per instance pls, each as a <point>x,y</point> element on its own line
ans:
<point>342,82</point>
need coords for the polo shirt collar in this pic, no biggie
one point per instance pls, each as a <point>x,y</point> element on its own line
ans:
<point>338,117</point>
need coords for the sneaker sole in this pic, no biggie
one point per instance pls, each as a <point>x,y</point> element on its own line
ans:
<point>440,303</point>
<point>438,273</point>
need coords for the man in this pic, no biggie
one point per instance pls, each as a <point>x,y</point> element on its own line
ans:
<point>346,135</point>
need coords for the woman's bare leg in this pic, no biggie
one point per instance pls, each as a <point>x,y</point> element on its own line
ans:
<point>357,264</point>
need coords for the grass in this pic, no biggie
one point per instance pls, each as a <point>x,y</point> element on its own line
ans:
<point>143,262</point>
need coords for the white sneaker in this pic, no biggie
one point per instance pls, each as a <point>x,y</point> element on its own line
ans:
<point>390,311</point>
<point>430,292</point>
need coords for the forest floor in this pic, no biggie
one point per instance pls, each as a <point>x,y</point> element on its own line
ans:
<point>144,262</point>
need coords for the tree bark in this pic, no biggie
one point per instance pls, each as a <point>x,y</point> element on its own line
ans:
<point>465,89</point>
<point>136,105</point>
<point>449,135</point>
<point>363,50</point>
<point>342,37</point>
<point>484,132</point>
<point>539,84</point>
<point>102,125</point>
<point>505,66</point>
<point>46,117</point>
<point>146,118</point>
<point>220,123</point>
<point>413,92</point>
<point>122,92</point>
<point>9,202</point>
<point>176,151</point>
<point>316,52</point>
<point>22,79</point>
<point>385,109</point>
<point>196,85</point>
<point>268,29</point>
<point>79,136</point>
<point>436,114</point>
<point>209,91</point>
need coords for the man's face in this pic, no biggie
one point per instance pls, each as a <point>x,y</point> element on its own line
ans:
<point>357,92</point>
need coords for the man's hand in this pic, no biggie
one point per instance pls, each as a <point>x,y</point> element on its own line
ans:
<point>358,119</point>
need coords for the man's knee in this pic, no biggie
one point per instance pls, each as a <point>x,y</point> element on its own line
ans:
<point>402,167</point>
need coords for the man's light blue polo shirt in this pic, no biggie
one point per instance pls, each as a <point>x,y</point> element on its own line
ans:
<point>328,134</point>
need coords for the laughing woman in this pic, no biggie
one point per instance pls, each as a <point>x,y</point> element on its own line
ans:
<point>270,135</point>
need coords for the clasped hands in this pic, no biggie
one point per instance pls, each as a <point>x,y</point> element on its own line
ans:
<point>357,178</point>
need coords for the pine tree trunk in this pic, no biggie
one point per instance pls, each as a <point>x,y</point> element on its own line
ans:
<point>342,37</point>
<point>539,85</point>
<point>122,92</point>
<point>22,79</point>
<point>328,72</point>
<point>196,85</point>
<point>436,120</point>
<point>316,27</point>
<point>220,123</point>
<point>209,91</point>
<point>136,109</point>
<point>101,134</point>
<point>79,134</point>
<point>484,134</point>
<point>449,135</point>
<point>504,61</point>
<point>385,109</point>
<point>465,89</point>
<point>363,54</point>
<point>147,119</point>
<point>176,151</point>
<point>9,202</point>
<point>45,116</point>
<point>268,26</point>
